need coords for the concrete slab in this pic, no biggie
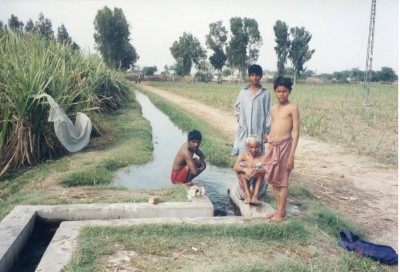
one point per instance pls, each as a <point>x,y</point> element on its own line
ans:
<point>247,210</point>
<point>15,230</point>
<point>126,210</point>
<point>17,226</point>
<point>64,242</point>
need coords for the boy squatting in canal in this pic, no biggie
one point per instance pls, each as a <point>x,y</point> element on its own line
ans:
<point>186,167</point>
<point>282,139</point>
<point>250,173</point>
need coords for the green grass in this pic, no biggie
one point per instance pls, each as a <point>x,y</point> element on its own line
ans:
<point>166,240</point>
<point>330,112</point>
<point>95,177</point>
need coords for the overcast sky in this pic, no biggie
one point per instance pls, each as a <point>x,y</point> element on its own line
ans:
<point>339,28</point>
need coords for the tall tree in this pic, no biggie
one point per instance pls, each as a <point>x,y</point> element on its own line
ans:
<point>30,26</point>
<point>186,51</point>
<point>204,71</point>
<point>299,52</point>
<point>357,74</point>
<point>216,41</point>
<point>44,27</point>
<point>282,40</point>
<point>236,48</point>
<point>64,38</point>
<point>62,35</point>
<point>112,38</point>
<point>166,70</point>
<point>243,47</point>
<point>254,39</point>
<point>149,70</point>
<point>387,74</point>
<point>14,24</point>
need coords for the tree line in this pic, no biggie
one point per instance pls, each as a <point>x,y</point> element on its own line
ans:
<point>43,27</point>
<point>241,50</point>
<point>112,35</point>
<point>112,40</point>
<point>355,75</point>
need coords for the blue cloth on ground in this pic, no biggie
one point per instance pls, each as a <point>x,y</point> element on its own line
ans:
<point>381,253</point>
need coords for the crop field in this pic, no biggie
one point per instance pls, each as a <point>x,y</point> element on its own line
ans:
<point>333,113</point>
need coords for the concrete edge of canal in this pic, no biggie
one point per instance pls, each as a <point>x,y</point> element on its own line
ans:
<point>17,226</point>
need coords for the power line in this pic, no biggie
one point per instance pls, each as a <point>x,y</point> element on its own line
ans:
<point>370,49</point>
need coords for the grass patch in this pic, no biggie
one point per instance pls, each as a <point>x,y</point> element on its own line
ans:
<point>166,240</point>
<point>98,176</point>
<point>301,192</point>
<point>328,221</point>
<point>258,246</point>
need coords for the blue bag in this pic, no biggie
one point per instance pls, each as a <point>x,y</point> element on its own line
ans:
<point>381,253</point>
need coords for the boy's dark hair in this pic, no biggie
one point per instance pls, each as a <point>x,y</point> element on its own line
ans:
<point>194,135</point>
<point>283,81</point>
<point>255,69</point>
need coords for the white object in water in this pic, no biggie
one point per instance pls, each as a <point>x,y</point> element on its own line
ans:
<point>72,137</point>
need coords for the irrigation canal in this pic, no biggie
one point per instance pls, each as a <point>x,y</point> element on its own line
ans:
<point>167,139</point>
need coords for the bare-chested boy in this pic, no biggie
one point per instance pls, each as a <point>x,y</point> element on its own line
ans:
<point>283,139</point>
<point>250,173</point>
<point>186,167</point>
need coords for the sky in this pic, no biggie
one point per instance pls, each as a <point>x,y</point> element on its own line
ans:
<point>339,28</point>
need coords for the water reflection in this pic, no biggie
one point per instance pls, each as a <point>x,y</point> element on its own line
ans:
<point>167,139</point>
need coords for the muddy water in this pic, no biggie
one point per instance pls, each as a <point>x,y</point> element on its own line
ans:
<point>167,139</point>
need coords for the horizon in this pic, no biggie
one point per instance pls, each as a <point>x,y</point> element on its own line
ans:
<point>340,44</point>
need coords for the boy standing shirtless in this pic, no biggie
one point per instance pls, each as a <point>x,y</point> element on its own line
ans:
<point>186,167</point>
<point>250,173</point>
<point>283,139</point>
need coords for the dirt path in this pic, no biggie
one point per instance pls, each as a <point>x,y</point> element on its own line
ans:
<point>356,186</point>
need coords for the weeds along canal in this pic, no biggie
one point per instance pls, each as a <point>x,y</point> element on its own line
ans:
<point>167,139</point>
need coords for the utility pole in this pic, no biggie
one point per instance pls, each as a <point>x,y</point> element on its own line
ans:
<point>370,49</point>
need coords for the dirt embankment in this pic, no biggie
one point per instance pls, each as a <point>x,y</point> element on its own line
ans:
<point>358,187</point>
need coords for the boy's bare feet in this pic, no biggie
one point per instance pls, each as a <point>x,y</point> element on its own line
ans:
<point>247,198</point>
<point>254,201</point>
<point>269,216</point>
<point>278,217</point>
<point>189,183</point>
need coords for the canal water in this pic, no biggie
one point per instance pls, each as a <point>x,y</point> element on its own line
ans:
<point>32,253</point>
<point>167,139</point>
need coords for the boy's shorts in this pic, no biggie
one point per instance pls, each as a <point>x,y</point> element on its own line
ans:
<point>179,176</point>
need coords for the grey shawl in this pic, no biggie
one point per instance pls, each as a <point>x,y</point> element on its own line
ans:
<point>253,112</point>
